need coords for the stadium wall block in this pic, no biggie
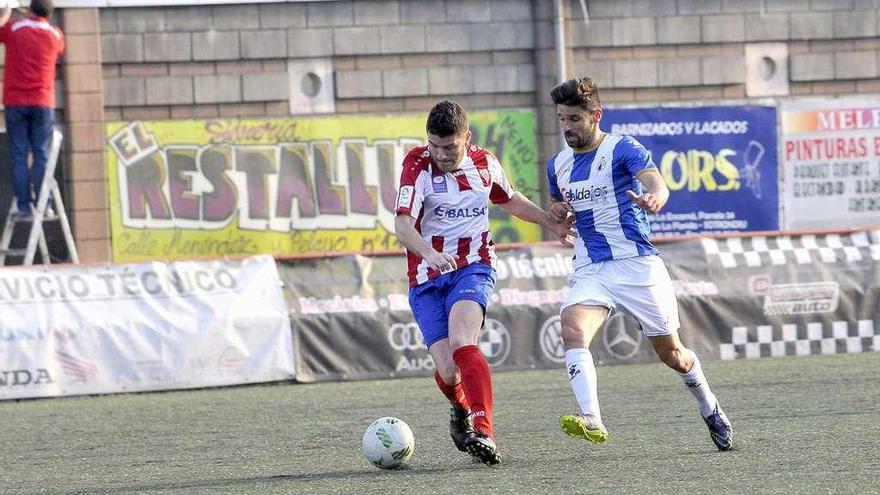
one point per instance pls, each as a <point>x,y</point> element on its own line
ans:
<point>739,298</point>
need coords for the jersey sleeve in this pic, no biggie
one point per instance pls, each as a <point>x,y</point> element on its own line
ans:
<point>635,156</point>
<point>552,184</point>
<point>410,194</point>
<point>501,189</point>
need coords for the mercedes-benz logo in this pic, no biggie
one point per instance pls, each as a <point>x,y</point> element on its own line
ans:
<point>550,339</point>
<point>494,342</point>
<point>621,340</point>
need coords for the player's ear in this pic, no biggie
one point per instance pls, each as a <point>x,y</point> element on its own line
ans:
<point>467,136</point>
<point>597,115</point>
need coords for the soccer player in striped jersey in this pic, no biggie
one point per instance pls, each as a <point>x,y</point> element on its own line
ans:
<point>608,183</point>
<point>443,222</point>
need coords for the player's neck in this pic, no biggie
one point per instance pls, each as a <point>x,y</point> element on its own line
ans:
<point>596,142</point>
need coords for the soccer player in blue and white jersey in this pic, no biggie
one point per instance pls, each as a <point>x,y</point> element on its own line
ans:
<point>609,182</point>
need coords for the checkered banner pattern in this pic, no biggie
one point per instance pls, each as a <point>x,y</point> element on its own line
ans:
<point>783,250</point>
<point>838,337</point>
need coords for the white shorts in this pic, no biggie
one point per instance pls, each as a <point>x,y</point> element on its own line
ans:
<point>638,286</point>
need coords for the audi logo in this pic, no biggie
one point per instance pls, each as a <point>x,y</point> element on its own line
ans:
<point>405,337</point>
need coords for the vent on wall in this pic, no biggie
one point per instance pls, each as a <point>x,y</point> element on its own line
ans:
<point>767,69</point>
<point>311,86</point>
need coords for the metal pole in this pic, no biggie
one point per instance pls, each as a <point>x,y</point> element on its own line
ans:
<point>560,41</point>
<point>560,53</point>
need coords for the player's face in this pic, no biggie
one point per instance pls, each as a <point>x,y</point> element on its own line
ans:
<point>580,127</point>
<point>448,151</point>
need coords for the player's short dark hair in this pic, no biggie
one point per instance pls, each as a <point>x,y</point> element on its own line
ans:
<point>578,92</point>
<point>42,8</point>
<point>447,118</point>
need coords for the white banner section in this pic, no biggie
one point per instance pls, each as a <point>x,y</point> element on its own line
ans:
<point>831,163</point>
<point>139,327</point>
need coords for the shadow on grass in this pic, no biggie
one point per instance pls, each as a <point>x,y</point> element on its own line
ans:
<point>346,478</point>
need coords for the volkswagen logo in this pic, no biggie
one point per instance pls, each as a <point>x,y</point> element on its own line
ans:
<point>621,340</point>
<point>405,337</point>
<point>550,339</point>
<point>494,342</point>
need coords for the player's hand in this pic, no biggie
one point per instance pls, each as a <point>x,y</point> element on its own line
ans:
<point>560,220</point>
<point>553,220</point>
<point>560,210</point>
<point>567,240</point>
<point>562,229</point>
<point>647,201</point>
<point>442,262</point>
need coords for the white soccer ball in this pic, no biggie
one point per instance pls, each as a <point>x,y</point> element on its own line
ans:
<point>388,443</point>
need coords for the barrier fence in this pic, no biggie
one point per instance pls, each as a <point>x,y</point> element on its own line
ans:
<point>73,330</point>
<point>740,297</point>
<point>150,326</point>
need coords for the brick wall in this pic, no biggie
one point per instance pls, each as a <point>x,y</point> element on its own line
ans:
<point>231,60</point>
<point>84,121</point>
<point>401,55</point>
<point>662,50</point>
<point>404,55</point>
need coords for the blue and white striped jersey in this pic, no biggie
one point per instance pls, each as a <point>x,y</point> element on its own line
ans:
<point>609,225</point>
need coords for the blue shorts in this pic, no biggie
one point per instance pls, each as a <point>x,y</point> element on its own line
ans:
<point>432,300</point>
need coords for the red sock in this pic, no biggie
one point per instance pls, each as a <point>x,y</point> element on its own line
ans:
<point>476,379</point>
<point>455,393</point>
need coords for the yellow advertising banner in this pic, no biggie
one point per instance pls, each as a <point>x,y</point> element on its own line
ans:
<point>214,188</point>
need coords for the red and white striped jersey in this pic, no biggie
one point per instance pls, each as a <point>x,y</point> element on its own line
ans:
<point>451,209</point>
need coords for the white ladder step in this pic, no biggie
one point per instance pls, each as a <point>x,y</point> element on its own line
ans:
<point>31,219</point>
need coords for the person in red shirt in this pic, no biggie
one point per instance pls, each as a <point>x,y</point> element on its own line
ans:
<point>33,46</point>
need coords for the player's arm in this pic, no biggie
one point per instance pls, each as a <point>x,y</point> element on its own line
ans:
<point>656,193</point>
<point>409,237</point>
<point>504,195</point>
<point>523,208</point>
<point>409,206</point>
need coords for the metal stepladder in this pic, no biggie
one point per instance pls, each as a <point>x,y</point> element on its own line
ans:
<point>48,190</point>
